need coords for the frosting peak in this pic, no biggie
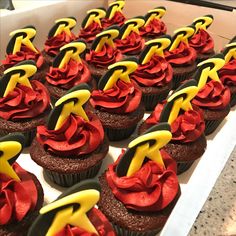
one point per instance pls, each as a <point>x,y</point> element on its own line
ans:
<point>154,28</point>
<point>228,73</point>
<point>117,19</point>
<point>89,33</point>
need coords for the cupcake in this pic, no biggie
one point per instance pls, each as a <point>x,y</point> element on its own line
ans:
<point>21,192</point>
<point>72,146</point>
<point>139,191</point>
<point>181,57</point>
<point>154,74</point>
<point>129,41</point>
<point>188,141</point>
<point>91,25</point>
<point>103,52</point>
<point>59,35</point>
<point>68,69</point>
<point>117,102</point>
<point>114,15</point>
<point>213,97</point>
<point>227,73</point>
<point>21,48</point>
<point>154,27</point>
<point>201,41</point>
<point>24,104</point>
<point>73,213</point>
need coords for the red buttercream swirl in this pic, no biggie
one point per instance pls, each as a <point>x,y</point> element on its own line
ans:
<point>24,102</point>
<point>154,28</point>
<point>188,126</point>
<point>89,33</point>
<point>72,74</point>
<point>202,42</point>
<point>155,73</point>
<point>227,74</point>
<point>132,44</point>
<point>122,98</point>
<point>117,19</point>
<point>76,136</point>
<point>214,96</point>
<point>53,44</point>
<point>183,55</point>
<point>16,198</point>
<point>99,221</point>
<point>105,57</point>
<point>152,188</point>
<point>24,54</point>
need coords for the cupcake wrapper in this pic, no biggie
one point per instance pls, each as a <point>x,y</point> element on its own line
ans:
<point>67,180</point>
<point>178,79</point>
<point>183,166</point>
<point>211,125</point>
<point>233,99</point>
<point>119,134</point>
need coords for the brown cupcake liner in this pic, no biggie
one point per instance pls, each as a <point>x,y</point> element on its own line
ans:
<point>211,125</point>
<point>67,180</point>
<point>233,99</point>
<point>178,79</point>
<point>183,166</point>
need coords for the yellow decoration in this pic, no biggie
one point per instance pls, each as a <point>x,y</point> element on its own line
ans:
<point>9,149</point>
<point>183,102</point>
<point>205,21</point>
<point>181,35</point>
<point>157,13</point>
<point>158,49</point>
<point>77,49</point>
<point>130,67</point>
<point>117,6</point>
<point>73,107</point>
<point>145,150</point>
<point>106,37</point>
<point>25,35</point>
<point>65,25</point>
<point>86,200</point>
<point>95,15</point>
<point>209,72</point>
<point>16,77</point>
<point>133,25</point>
<point>231,53</point>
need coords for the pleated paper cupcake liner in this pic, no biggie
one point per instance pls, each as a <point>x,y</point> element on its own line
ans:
<point>178,79</point>
<point>183,166</point>
<point>211,125</point>
<point>233,99</point>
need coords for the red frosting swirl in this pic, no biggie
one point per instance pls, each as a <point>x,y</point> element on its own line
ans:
<point>157,72</point>
<point>117,19</point>
<point>24,54</point>
<point>122,98</point>
<point>214,96</point>
<point>99,221</point>
<point>24,102</point>
<point>76,136</point>
<point>202,42</point>
<point>182,55</point>
<point>188,126</point>
<point>227,74</point>
<point>152,188</point>
<point>89,33</point>
<point>72,74</point>
<point>132,44</point>
<point>154,28</point>
<point>105,57</point>
<point>16,198</point>
<point>53,44</point>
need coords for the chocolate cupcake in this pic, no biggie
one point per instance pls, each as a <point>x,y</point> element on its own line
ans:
<point>21,48</point>
<point>201,41</point>
<point>59,35</point>
<point>117,102</point>
<point>21,192</point>
<point>72,146</point>
<point>68,70</point>
<point>73,213</point>
<point>154,27</point>
<point>103,53</point>
<point>213,97</point>
<point>181,57</point>
<point>154,74</point>
<point>227,73</point>
<point>24,104</point>
<point>141,188</point>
